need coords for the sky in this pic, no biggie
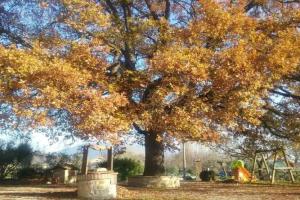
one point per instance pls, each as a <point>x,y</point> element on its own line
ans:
<point>42,143</point>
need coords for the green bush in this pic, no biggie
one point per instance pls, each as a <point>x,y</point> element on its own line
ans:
<point>207,175</point>
<point>237,163</point>
<point>125,167</point>
<point>191,172</point>
<point>28,173</point>
<point>13,157</point>
<point>297,176</point>
<point>172,171</point>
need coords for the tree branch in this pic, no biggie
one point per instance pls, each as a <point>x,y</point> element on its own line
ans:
<point>150,88</point>
<point>15,38</point>
<point>153,14</point>
<point>285,93</point>
<point>168,9</point>
<point>138,129</point>
<point>112,8</point>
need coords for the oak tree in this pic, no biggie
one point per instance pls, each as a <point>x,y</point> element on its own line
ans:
<point>169,69</point>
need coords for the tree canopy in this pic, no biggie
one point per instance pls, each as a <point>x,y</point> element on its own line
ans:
<point>170,69</point>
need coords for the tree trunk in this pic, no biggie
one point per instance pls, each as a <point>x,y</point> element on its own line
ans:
<point>154,156</point>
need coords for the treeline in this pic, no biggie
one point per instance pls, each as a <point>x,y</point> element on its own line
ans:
<point>20,161</point>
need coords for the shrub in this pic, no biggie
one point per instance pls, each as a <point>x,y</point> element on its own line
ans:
<point>172,171</point>
<point>236,164</point>
<point>125,167</point>
<point>13,157</point>
<point>207,175</point>
<point>297,176</point>
<point>27,173</point>
<point>191,172</point>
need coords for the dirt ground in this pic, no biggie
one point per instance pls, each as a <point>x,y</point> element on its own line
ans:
<point>188,190</point>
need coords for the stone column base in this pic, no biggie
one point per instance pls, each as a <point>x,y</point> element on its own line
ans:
<point>98,185</point>
<point>154,181</point>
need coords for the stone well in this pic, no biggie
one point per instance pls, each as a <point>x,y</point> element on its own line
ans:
<point>97,185</point>
<point>154,181</point>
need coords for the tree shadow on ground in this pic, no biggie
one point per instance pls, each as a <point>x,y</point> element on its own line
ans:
<point>48,195</point>
<point>38,185</point>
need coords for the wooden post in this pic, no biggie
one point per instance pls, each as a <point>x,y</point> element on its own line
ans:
<point>110,159</point>
<point>253,167</point>
<point>183,160</point>
<point>288,166</point>
<point>274,170</point>
<point>84,168</point>
<point>266,165</point>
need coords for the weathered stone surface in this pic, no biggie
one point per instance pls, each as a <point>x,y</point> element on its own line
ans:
<point>154,181</point>
<point>98,185</point>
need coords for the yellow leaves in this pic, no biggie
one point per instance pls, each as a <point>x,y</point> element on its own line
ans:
<point>233,57</point>
<point>216,21</point>
<point>62,82</point>
<point>86,12</point>
<point>186,62</point>
<point>237,54</point>
<point>102,119</point>
<point>285,55</point>
<point>183,125</point>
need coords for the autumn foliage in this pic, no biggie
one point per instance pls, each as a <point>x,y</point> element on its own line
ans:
<point>153,66</point>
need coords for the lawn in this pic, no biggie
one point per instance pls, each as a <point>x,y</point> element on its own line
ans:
<point>188,190</point>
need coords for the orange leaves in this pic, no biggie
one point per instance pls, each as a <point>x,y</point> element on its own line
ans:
<point>285,54</point>
<point>234,53</point>
<point>214,69</point>
<point>62,83</point>
<point>186,62</point>
<point>85,12</point>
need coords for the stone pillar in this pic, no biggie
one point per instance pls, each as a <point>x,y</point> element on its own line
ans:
<point>98,185</point>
